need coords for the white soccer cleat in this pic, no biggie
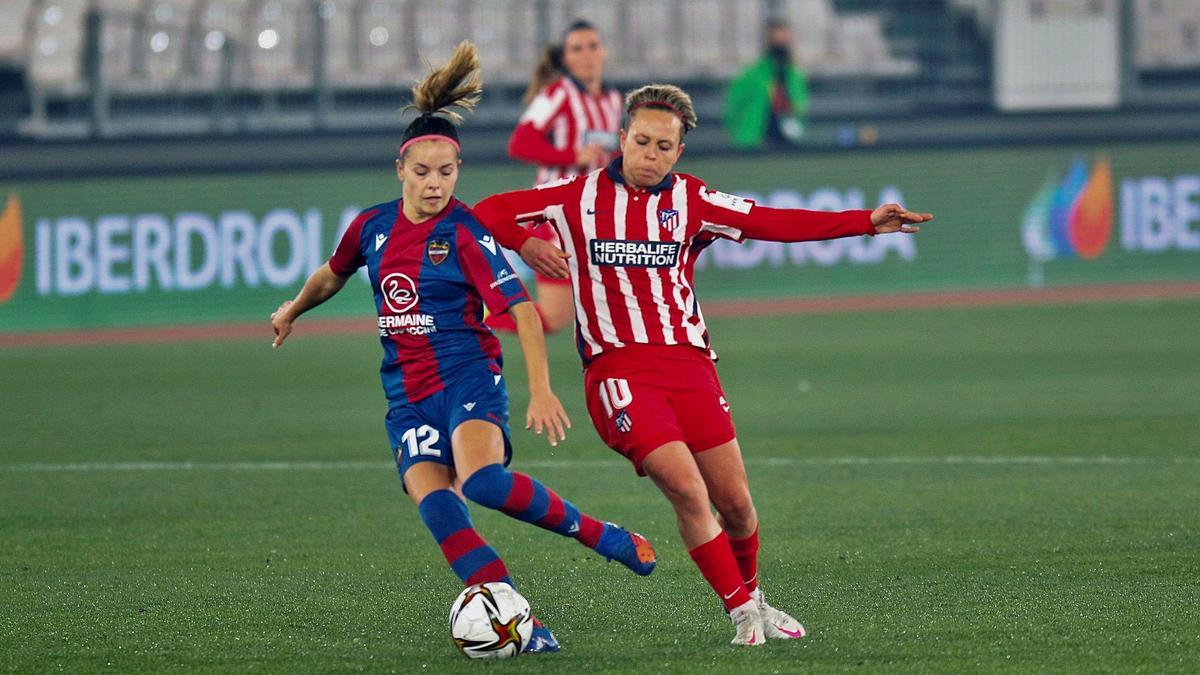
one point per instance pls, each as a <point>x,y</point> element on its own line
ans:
<point>748,623</point>
<point>776,624</point>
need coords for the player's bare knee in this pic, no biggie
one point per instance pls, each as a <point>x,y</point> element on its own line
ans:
<point>737,514</point>
<point>687,495</point>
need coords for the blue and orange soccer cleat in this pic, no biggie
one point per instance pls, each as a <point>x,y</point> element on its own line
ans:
<point>541,641</point>
<point>628,548</point>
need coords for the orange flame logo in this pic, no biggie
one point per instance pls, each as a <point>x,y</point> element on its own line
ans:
<point>10,247</point>
<point>1092,218</point>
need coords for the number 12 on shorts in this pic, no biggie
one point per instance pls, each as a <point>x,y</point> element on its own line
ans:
<point>420,441</point>
<point>615,394</point>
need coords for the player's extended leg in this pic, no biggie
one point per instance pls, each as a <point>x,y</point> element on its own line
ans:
<point>446,516</point>
<point>478,448</point>
<point>725,477</point>
<point>674,470</point>
<point>471,558</point>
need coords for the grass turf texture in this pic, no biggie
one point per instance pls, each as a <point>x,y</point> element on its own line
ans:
<point>1065,539</point>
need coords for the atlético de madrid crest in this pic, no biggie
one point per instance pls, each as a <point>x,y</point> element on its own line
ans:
<point>438,250</point>
<point>668,219</point>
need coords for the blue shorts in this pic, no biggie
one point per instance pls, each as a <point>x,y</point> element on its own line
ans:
<point>420,432</point>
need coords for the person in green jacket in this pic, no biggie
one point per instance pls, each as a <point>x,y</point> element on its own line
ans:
<point>769,99</point>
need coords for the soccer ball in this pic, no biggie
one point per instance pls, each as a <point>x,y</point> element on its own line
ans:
<point>490,621</point>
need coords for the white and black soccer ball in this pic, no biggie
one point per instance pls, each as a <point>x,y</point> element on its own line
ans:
<point>490,621</point>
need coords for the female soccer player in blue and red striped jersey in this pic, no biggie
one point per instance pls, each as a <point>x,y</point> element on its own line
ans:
<point>632,231</point>
<point>433,269</point>
<point>569,128</point>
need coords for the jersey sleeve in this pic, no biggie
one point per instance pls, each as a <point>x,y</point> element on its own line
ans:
<point>485,268</point>
<point>528,144</point>
<point>529,141</point>
<point>737,218</point>
<point>348,255</point>
<point>505,213</point>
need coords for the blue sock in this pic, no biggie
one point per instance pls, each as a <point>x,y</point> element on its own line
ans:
<point>471,558</point>
<point>524,498</point>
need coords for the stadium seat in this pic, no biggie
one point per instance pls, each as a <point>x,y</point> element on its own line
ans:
<point>278,45</point>
<point>440,28</point>
<point>55,61</point>
<point>14,20</point>
<point>1167,34</point>
<point>656,41</point>
<point>164,42</point>
<point>505,31</point>
<point>719,43</point>
<point>814,27</point>
<point>220,34</point>
<point>381,45</point>
<point>862,47</point>
<point>119,41</point>
<point>336,18</point>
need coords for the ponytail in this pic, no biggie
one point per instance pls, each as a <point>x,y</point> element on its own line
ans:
<point>548,69</point>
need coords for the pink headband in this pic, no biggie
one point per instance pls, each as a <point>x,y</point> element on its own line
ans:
<point>430,137</point>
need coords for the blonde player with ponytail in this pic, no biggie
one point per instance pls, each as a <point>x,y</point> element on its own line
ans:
<point>433,268</point>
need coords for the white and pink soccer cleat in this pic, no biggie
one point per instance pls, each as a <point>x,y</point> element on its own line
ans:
<point>748,623</point>
<point>776,624</point>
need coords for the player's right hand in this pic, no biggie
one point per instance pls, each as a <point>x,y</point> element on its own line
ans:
<point>281,323</point>
<point>545,258</point>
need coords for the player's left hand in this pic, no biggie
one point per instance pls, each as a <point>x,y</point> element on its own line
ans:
<point>896,218</point>
<point>545,258</point>
<point>546,413</point>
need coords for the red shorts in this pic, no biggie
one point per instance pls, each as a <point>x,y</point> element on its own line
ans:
<point>546,232</point>
<point>642,397</point>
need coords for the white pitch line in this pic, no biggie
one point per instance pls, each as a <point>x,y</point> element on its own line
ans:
<point>1014,460</point>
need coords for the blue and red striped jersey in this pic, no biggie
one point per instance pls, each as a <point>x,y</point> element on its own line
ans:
<point>431,282</point>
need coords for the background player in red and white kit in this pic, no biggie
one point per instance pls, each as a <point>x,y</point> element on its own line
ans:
<point>433,268</point>
<point>569,128</point>
<point>632,232</point>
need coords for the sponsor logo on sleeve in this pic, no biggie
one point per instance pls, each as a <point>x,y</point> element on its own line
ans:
<point>627,253</point>
<point>503,277</point>
<point>379,240</point>
<point>727,201</point>
<point>489,243</point>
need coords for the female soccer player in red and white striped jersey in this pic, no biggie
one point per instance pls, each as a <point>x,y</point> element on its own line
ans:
<point>569,128</point>
<point>632,232</point>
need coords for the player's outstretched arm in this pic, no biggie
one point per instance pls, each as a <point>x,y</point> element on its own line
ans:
<point>896,218</point>
<point>737,218</point>
<point>503,214</point>
<point>545,410</point>
<point>322,285</point>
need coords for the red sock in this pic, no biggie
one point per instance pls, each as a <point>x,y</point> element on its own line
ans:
<point>590,530</point>
<point>505,322</point>
<point>719,567</point>
<point>746,552</point>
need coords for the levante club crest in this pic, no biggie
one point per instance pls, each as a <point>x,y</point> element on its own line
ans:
<point>438,250</point>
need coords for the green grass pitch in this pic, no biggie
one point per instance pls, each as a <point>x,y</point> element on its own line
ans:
<point>1003,489</point>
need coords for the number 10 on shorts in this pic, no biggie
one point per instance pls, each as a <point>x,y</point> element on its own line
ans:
<point>420,441</point>
<point>615,394</point>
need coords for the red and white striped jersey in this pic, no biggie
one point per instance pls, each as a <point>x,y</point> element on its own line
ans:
<point>562,118</point>
<point>633,251</point>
